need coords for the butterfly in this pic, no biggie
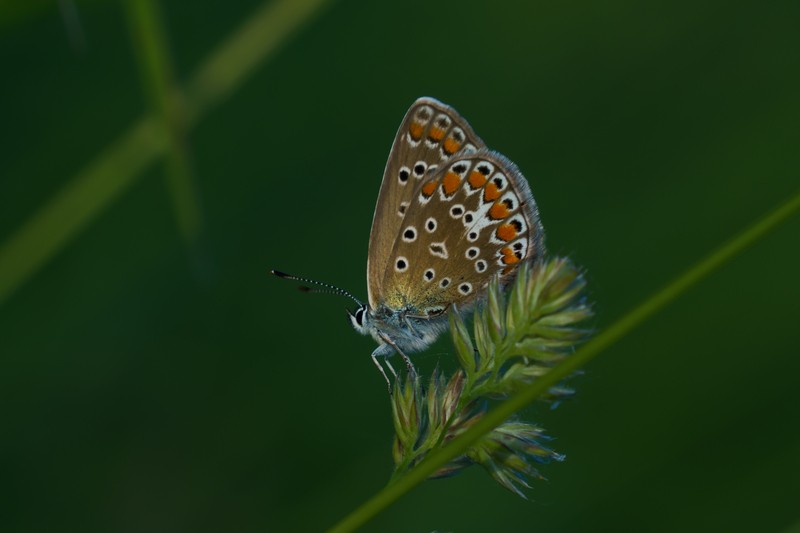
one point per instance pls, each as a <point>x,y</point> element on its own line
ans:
<point>451,214</point>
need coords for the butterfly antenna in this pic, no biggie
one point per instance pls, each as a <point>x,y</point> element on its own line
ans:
<point>329,289</point>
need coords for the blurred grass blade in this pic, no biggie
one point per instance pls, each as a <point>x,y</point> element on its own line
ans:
<point>158,79</point>
<point>258,38</point>
<point>794,528</point>
<point>66,214</point>
<point>436,460</point>
<point>72,25</point>
<point>86,194</point>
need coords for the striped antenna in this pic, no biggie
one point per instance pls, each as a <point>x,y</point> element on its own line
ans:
<point>329,289</point>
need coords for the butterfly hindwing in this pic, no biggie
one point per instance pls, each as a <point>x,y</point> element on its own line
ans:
<point>431,133</point>
<point>474,218</point>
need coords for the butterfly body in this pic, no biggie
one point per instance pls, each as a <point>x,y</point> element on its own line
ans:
<point>398,329</point>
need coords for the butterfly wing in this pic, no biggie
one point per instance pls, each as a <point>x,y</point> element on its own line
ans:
<point>474,218</point>
<point>431,133</point>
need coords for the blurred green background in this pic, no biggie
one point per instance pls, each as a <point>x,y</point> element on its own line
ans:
<point>157,379</point>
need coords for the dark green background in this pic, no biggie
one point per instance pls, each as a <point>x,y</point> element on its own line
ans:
<point>142,391</point>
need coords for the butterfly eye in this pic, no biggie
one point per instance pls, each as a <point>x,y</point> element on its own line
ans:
<point>360,316</point>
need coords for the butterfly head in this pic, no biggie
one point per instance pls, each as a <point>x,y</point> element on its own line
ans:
<point>360,319</point>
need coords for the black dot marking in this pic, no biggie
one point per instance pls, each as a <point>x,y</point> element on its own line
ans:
<point>403,208</point>
<point>465,288</point>
<point>437,249</point>
<point>419,169</point>
<point>401,264</point>
<point>444,283</point>
<point>483,169</point>
<point>517,225</point>
<point>498,182</point>
<point>442,123</point>
<point>468,218</point>
<point>424,113</point>
<point>459,168</point>
<point>518,246</point>
<point>457,211</point>
<point>518,254</point>
<point>473,235</point>
<point>472,252</point>
<point>508,203</point>
<point>480,265</point>
<point>431,225</point>
<point>429,274</point>
<point>409,234</point>
<point>458,135</point>
<point>403,175</point>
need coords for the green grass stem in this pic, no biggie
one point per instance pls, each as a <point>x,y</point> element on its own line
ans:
<point>400,486</point>
<point>158,78</point>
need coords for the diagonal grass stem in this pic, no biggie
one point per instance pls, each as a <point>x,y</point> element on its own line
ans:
<point>400,486</point>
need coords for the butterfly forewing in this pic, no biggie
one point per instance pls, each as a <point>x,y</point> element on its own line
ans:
<point>474,218</point>
<point>430,135</point>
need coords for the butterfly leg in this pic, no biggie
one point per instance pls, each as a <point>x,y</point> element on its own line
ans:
<point>411,370</point>
<point>391,368</point>
<point>382,371</point>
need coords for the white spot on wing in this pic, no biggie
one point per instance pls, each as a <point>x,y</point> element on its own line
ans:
<point>401,211</point>
<point>439,250</point>
<point>401,264</point>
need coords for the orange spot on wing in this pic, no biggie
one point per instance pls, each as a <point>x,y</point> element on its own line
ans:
<point>491,192</point>
<point>506,232</point>
<point>476,180</point>
<point>451,146</point>
<point>436,134</point>
<point>450,183</point>
<point>509,257</point>
<point>498,211</point>
<point>416,129</point>
<point>428,188</point>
